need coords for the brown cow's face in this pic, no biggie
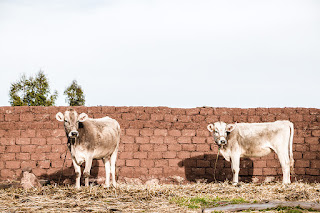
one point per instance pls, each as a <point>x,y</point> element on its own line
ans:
<point>71,121</point>
<point>220,132</point>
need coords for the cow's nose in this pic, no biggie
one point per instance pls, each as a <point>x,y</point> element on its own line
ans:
<point>74,133</point>
<point>223,142</point>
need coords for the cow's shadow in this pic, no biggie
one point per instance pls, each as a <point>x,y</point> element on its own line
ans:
<point>202,168</point>
<point>67,175</point>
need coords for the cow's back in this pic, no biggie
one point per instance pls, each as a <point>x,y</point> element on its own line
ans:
<point>101,136</point>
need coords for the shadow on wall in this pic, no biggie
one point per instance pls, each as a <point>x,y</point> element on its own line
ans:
<point>202,168</point>
<point>66,175</point>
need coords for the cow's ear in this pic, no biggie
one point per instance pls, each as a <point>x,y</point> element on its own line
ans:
<point>82,117</point>
<point>230,127</point>
<point>210,127</point>
<point>60,116</point>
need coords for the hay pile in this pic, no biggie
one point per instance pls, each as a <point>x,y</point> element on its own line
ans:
<point>150,198</point>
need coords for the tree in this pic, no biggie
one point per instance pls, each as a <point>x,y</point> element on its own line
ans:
<point>32,91</point>
<point>74,93</point>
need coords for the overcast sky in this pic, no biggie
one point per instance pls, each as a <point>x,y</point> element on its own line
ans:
<point>226,53</point>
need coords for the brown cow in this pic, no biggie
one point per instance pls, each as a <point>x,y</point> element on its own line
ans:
<point>90,139</point>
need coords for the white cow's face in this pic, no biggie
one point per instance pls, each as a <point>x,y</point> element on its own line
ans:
<point>71,121</point>
<point>220,132</point>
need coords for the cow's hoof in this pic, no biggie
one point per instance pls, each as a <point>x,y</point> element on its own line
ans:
<point>105,186</point>
<point>235,184</point>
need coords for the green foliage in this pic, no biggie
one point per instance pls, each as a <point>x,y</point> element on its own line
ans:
<point>32,91</point>
<point>74,93</point>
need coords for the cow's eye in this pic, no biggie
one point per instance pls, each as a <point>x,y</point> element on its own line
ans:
<point>215,131</point>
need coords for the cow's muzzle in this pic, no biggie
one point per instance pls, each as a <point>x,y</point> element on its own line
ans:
<point>73,134</point>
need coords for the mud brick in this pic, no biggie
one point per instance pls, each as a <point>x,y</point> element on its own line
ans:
<point>154,155</point>
<point>161,147</point>
<point>147,163</point>
<point>315,133</point>
<point>296,118</point>
<point>262,111</point>
<point>30,133</point>
<point>202,147</point>
<point>142,139</point>
<point>133,147</point>
<point>157,139</point>
<point>8,156</point>
<point>198,139</point>
<point>108,110</point>
<point>257,171</point>
<point>178,111</point>
<point>58,148</point>
<point>125,155</point>
<point>297,155</point>
<point>226,118</point>
<point>174,147</point>
<point>146,132</point>
<point>45,164</point>
<point>184,118</point>
<point>157,117</point>
<point>273,163</point>
<point>128,116</point>
<point>27,117</point>
<point>28,148</point>
<point>174,162</point>
<point>183,154</point>
<point>160,132</point>
<point>309,155</point>
<point>206,111</point>
<point>7,141</point>
<point>310,171</point>
<point>302,163</point>
<point>146,147</point>
<point>212,118</point>
<point>7,173</point>
<point>259,164</point>
<point>315,164</point>
<point>170,140</point>
<point>275,111</point>
<point>38,141</point>
<point>184,139</point>
<point>174,132</point>
<point>143,116</point>
<point>193,111</point>
<point>155,171</point>
<point>140,155</point>
<point>161,163</point>
<point>11,117</point>
<point>127,139</point>
<point>188,147</point>
<point>240,118</point>
<point>203,163</point>
<point>300,171</point>
<point>12,148</point>
<point>269,171</point>
<point>198,118</point>
<point>133,162</point>
<point>28,163</point>
<point>188,132</point>
<point>268,118</point>
<point>23,156</point>
<point>53,140</point>
<point>37,156</point>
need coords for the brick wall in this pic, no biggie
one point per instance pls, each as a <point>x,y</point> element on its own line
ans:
<point>156,142</point>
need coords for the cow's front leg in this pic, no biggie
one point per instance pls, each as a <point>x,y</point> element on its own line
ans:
<point>86,172</point>
<point>77,170</point>
<point>235,166</point>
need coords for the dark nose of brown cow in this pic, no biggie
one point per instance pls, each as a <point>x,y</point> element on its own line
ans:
<point>74,133</point>
<point>223,142</point>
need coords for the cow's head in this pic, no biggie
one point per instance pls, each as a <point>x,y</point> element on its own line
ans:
<point>71,121</point>
<point>220,131</point>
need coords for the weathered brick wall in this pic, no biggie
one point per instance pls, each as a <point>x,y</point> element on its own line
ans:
<point>157,142</point>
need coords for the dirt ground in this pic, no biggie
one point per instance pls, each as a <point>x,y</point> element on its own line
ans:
<point>151,198</point>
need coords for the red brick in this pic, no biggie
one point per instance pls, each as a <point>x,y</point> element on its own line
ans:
<point>28,163</point>
<point>269,171</point>
<point>174,147</point>
<point>155,171</point>
<point>132,132</point>
<point>58,133</point>
<point>202,147</point>
<point>157,139</point>
<point>146,147</point>
<point>169,154</point>
<point>7,141</point>
<point>142,139</point>
<point>188,132</point>
<point>302,163</point>
<point>53,140</point>
<point>160,132</point>
<point>53,156</point>
<point>127,139</point>
<point>11,117</point>
<point>7,173</point>
<point>184,118</point>
<point>268,118</point>
<point>133,162</point>
<point>23,141</point>
<point>43,149</point>
<point>45,164</point>
<point>309,155</point>
<point>140,155</point>
<point>170,140</point>
<point>310,171</point>
<point>188,147</point>
<point>259,164</point>
<point>173,162</point>
<point>154,155</point>
<point>254,119</point>
<point>174,132</point>
<point>28,148</point>
<point>38,156</point>
<point>161,147</point>
<point>198,139</point>
<point>170,118</point>
<point>273,163</point>
<point>12,148</point>
<point>146,132</point>
<point>296,118</point>
<point>184,139</point>
<point>315,133</point>
<point>300,171</point>
<point>147,163</point>
<point>226,118</point>
<point>128,116</point>
<point>161,163</point>
<point>206,111</point>
<point>125,155</point>
<point>315,164</point>
<point>29,133</point>
<point>26,117</point>
<point>23,156</point>
<point>132,147</point>
<point>183,155</point>
<point>157,117</point>
<point>57,163</point>
<point>58,148</point>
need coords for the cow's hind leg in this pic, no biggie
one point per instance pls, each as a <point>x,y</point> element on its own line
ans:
<point>113,160</point>
<point>86,172</point>
<point>77,170</point>
<point>235,166</point>
<point>285,165</point>
<point>107,168</point>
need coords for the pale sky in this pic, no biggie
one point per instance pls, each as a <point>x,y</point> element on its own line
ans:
<point>176,53</point>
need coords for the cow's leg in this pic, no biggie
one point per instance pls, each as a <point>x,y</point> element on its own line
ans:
<point>107,168</point>
<point>86,172</point>
<point>283,157</point>
<point>235,167</point>
<point>77,170</point>
<point>113,167</point>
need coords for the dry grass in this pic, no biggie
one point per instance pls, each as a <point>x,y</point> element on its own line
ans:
<point>155,198</point>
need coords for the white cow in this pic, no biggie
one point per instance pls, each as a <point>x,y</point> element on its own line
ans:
<point>255,140</point>
<point>90,139</point>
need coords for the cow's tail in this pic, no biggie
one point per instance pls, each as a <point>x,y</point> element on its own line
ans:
<point>290,148</point>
